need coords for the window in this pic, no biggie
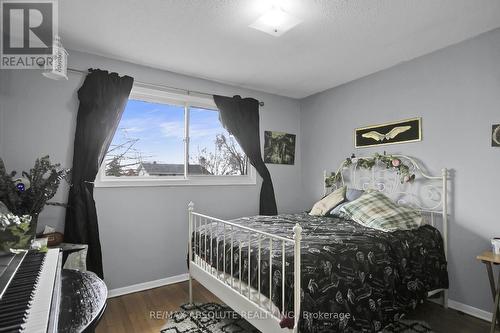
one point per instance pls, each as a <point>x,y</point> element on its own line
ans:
<point>212,150</point>
<point>167,138</point>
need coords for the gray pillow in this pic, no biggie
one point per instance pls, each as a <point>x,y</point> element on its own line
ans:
<point>350,195</point>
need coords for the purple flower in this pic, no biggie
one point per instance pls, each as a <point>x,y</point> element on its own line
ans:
<point>22,184</point>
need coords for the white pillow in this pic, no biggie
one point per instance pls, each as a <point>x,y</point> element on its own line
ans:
<point>325,205</point>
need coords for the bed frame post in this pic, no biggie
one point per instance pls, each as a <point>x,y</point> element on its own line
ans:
<point>445,226</point>
<point>297,236</point>
<point>190,249</point>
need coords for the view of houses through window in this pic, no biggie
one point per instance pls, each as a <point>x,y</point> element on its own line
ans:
<point>152,141</point>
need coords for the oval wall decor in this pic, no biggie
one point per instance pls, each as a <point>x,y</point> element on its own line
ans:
<point>495,135</point>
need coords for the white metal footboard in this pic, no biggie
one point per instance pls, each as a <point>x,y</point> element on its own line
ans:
<point>255,306</point>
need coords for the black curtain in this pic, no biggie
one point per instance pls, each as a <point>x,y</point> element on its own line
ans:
<point>102,97</point>
<point>240,116</point>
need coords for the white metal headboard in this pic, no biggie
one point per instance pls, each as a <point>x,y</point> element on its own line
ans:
<point>427,193</point>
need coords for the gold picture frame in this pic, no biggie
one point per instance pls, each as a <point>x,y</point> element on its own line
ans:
<point>396,132</point>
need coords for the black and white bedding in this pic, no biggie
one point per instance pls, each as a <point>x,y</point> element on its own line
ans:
<point>353,278</point>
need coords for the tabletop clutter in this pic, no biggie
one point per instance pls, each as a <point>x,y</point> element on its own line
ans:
<point>495,245</point>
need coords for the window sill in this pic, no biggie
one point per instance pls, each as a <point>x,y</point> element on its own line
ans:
<point>173,182</point>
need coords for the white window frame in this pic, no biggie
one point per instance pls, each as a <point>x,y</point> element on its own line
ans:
<point>155,94</point>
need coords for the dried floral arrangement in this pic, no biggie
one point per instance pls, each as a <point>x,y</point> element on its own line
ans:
<point>28,194</point>
<point>390,162</point>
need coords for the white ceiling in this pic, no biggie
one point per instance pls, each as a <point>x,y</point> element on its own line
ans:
<point>338,40</point>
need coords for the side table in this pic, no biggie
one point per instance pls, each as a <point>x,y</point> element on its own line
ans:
<point>489,259</point>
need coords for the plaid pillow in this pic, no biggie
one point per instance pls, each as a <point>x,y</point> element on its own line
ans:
<point>375,210</point>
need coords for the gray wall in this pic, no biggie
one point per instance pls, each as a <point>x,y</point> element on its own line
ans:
<point>143,230</point>
<point>1,132</point>
<point>457,93</point>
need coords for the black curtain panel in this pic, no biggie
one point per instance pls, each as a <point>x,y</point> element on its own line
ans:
<point>102,97</point>
<point>240,116</point>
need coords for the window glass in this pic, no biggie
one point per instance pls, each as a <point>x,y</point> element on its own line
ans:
<point>149,141</point>
<point>212,150</point>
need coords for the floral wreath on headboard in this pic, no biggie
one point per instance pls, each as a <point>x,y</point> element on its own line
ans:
<point>390,162</point>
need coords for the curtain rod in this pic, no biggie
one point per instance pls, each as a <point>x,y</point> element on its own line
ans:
<point>78,71</point>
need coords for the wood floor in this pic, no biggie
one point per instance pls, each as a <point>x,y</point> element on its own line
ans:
<point>145,311</point>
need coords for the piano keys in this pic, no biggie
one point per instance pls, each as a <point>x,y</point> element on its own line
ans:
<point>30,286</point>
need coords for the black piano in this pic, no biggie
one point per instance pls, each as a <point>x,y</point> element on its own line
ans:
<point>38,296</point>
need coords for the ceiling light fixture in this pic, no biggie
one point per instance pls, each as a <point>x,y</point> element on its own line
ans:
<point>58,69</point>
<point>275,22</point>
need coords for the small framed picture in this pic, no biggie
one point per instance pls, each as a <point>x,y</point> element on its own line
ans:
<point>495,135</point>
<point>279,148</point>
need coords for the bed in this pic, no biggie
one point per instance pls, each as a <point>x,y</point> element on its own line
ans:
<point>338,275</point>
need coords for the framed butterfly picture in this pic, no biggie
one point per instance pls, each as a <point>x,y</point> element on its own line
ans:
<point>403,131</point>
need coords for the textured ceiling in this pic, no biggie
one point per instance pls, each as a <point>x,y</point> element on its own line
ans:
<point>338,40</point>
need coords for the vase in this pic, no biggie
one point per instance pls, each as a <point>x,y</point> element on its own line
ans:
<point>33,226</point>
<point>17,233</point>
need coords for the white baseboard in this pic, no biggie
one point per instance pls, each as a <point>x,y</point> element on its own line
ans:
<point>147,285</point>
<point>470,310</point>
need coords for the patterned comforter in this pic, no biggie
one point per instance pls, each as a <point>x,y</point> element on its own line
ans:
<point>353,279</point>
